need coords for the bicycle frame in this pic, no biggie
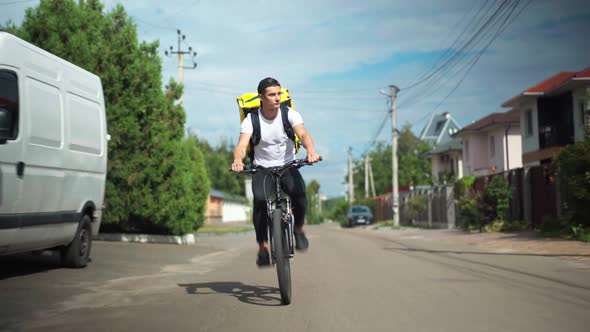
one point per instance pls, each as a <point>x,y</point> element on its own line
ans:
<point>285,205</point>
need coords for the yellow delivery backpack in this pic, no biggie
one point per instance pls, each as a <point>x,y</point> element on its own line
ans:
<point>249,103</point>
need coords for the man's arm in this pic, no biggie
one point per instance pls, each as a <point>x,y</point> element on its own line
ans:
<point>240,152</point>
<point>307,143</point>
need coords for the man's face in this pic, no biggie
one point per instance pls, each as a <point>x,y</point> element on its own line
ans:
<point>272,96</point>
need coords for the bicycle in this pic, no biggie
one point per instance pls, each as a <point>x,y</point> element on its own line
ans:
<point>280,227</point>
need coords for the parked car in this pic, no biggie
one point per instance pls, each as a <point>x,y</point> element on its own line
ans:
<point>359,215</point>
<point>53,153</point>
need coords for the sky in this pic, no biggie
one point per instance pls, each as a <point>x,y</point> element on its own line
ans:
<point>337,57</point>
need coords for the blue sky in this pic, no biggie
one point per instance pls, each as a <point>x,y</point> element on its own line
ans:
<point>335,56</point>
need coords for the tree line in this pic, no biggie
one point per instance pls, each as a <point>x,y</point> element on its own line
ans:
<point>158,175</point>
<point>414,169</point>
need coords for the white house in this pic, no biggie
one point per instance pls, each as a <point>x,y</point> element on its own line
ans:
<point>223,207</point>
<point>447,161</point>
<point>491,144</point>
<point>439,129</point>
<point>446,157</point>
<point>551,115</point>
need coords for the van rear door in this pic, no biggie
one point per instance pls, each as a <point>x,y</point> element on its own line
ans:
<point>11,155</point>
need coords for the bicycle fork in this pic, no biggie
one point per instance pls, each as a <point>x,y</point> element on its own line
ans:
<point>287,224</point>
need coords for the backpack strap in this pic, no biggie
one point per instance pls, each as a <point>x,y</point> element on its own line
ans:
<point>255,138</point>
<point>286,124</point>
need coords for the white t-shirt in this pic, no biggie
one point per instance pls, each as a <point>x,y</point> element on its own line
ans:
<point>275,147</point>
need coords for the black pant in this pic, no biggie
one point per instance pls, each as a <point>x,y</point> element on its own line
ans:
<point>263,188</point>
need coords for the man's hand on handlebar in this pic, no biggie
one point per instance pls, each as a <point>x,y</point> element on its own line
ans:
<point>237,166</point>
<point>313,157</point>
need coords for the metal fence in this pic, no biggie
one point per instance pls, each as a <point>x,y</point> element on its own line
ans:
<point>534,199</point>
<point>432,207</point>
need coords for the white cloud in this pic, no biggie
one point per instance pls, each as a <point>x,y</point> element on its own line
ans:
<point>239,42</point>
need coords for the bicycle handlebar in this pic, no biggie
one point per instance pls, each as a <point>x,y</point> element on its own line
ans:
<point>295,163</point>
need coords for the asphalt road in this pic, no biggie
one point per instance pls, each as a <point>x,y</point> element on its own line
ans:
<point>350,280</point>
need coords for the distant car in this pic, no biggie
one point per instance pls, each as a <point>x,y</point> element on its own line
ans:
<point>359,215</point>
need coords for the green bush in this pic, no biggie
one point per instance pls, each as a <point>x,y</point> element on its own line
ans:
<point>573,168</point>
<point>338,212</point>
<point>499,225</point>
<point>464,185</point>
<point>494,226</point>
<point>468,212</point>
<point>497,195</point>
<point>416,207</point>
<point>467,203</point>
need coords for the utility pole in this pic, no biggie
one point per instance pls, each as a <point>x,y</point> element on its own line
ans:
<point>371,177</point>
<point>394,90</point>
<point>394,131</point>
<point>181,54</point>
<point>367,176</point>
<point>350,182</point>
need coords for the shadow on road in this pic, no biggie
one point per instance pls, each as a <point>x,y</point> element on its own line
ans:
<point>486,253</point>
<point>415,253</point>
<point>25,264</point>
<point>258,295</point>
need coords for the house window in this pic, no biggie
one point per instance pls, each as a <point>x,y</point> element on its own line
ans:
<point>529,122</point>
<point>8,105</point>
<point>582,114</point>
<point>439,126</point>
<point>466,150</point>
<point>492,146</point>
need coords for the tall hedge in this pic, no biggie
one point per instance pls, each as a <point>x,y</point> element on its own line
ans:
<point>155,179</point>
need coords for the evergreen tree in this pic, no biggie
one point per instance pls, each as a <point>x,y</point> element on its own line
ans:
<point>312,214</point>
<point>218,161</point>
<point>155,180</point>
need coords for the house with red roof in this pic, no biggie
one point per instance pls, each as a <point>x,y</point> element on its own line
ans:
<point>551,115</point>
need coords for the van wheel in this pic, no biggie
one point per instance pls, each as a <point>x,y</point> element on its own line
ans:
<point>77,253</point>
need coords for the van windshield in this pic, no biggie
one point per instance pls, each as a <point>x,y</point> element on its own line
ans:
<point>8,105</point>
<point>360,209</point>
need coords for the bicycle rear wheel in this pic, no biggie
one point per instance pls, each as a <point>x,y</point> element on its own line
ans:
<point>281,256</point>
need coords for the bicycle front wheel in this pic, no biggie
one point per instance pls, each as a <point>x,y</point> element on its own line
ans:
<point>281,255</point>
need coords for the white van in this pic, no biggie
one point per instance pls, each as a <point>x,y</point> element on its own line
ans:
<point>53,153</point>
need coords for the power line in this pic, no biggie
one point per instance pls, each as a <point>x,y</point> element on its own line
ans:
<point>153,25</point>
<point>428,87</point>
<point>507,22</point>
<point>373,141</point>
<point>15,2</point>
<point>377,133</point>
<point>476,59</point>
<point>474,38</point>
<point>183,10</point>
<point>449,49</point>
<point>493,20</point>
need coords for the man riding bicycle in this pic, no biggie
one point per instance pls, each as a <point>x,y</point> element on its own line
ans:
<point>274,149</point>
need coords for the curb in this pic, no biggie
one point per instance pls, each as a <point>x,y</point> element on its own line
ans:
<point>188,239</point>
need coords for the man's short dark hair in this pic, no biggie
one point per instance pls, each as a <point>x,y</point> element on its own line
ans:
<point>266,83</point>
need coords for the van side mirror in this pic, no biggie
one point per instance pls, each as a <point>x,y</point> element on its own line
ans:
<point>5,125</point>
